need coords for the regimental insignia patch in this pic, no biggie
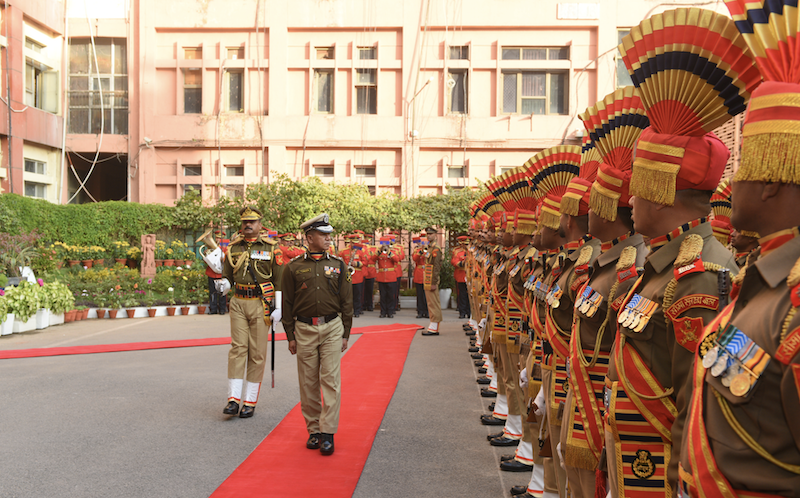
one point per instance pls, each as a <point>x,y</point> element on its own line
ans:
<point>688,331</point>
<point>643,466</point>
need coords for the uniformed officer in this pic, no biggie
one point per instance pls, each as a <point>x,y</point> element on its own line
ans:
<point>354,255</point>
<point>742,432</point>
<point>370,272</point>
<point>387,260</point>
<point>418,257</point>
<point>318,302</point>
<point>433,265</point>
<point>251,266</point>
<point>459,262</point>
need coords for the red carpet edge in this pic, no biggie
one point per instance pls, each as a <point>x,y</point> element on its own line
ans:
<point>281,466</point>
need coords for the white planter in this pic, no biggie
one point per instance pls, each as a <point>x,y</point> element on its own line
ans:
<point>42,318</point>
<point>25,326</point>
<point>7,327</point>
<point>453,303</point>
<point>444,296</point>
<point>408,302</point>
<point>56,318</point>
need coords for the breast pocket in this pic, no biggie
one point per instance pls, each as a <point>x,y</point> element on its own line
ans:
<point>305,281</point>
<point>333,282</point>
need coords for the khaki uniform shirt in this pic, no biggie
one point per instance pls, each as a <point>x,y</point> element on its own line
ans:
<point>264,256</point>
<point>314,288</point>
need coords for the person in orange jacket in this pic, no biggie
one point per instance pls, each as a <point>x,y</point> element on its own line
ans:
<point>387,276</point>
<point>400,251</point>
<point>418,256</point>
<point>354,256</point>
<point>459,261</point>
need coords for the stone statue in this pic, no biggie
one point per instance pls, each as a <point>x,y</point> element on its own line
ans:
<point>148,269</point>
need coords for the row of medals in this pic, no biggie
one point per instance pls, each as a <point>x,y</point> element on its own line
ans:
<point>631,317</point>
<point>734,377</point>
<point>589,302</point>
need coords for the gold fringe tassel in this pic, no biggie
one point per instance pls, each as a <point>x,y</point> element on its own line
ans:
<point>770,157</point>
<point>570,205</point>
<point>654,183</point>
<point>748,233</point>
<point>550,220</point>
<point>602,204</point>
<point>580,458</point>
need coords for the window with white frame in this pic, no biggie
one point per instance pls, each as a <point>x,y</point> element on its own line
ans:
<point>535,92</point>
<point>33,189</point>
<point>234,191</point>
<point>34,166</point>
<point>192,170</point>
<point>623,78</point>
<point>87,88</point>
<point>458,87</point>
<point>324,53</point>
<point>323,90</point>
<point>460,52</point>
<point>367,53</point>
<point>456,171</point>
<point>236,53</point>
<point>366,91</point>
<point>325,171</point>
<point>535,53</point>
<point>192,91</point>
<point>41,81</point>
<point>234,87</point>
<point>365,171</point>
<point>234,170</point>
<point>193,53</point>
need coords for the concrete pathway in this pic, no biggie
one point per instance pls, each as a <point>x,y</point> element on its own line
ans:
<point>150,423</point>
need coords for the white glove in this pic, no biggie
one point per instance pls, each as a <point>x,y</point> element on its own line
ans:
<point>277,314</point>
<point>539,402</point>
<point>482,324</point>
<point>560,456</point>
<point>523,378</point>
<point>223,285</point>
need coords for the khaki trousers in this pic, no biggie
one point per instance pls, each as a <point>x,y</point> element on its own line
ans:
<point>434,305</point>
<point>581,481</point>
<point>611,458</point>
<point>554,429</point>
<point>319,360</point>
<point>249,338</point>
<point>509,376</point>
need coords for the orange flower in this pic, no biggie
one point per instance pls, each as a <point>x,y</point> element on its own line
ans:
<point>135,286</point>
<point>117,287</point>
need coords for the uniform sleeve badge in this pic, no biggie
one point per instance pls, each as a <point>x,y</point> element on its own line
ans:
<point>688,330</point>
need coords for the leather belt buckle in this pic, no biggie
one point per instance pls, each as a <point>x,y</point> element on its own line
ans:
<point>317,320</point>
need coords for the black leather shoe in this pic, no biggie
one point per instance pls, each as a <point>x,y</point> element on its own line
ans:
<point>525,495</point>
<point>484,381</point>
<point>470,333</point>
<point>480,363</point>
<point>490,407</point>
<point>519,490</point>
<point>515,466</point>
<point>383,315</point>
<point>419,316</point>
<point>494,436</point>
<point>247,411</point>
<point>476,356</point>
<point>473,350</point>
<point>507,458</point>
<point>491,420</point>
<point>462,316</point>
<point>326,448</point>
<point>428,332</point>
<point>391,316</point>
<point>485,393</point>
<point>504,441</point>
<point>466,327</point>
<point>313,441</point>
<point>481,370</point>
<point>232,408</point>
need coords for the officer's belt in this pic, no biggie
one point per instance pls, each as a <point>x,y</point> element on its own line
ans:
<point>387,269</point>
<point>317,320</point>
<point>245,291</point>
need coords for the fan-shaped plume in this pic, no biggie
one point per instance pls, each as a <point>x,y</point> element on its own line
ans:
<point>614,124</point>
<point>693,70</point>
<point>721,204</point>
<point>550,170</point>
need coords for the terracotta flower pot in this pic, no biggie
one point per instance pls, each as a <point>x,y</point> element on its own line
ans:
<point>99,262</point>
<point>101,313</point>
<point>112,313</point>
<point>59,265</point>
<point>159,262</point>
<point>171,311</point>
<point>188,263</point>
<point>73,262</point>
<point>78,315</point>
<point>69,316</point>
<point>151,312</point>
<point>85,314</point>
<point>130,313</point>
<point>169,262</point>
<point>184,310</point>
<point>87,262</point>
<point>201,310</point>
<point>121,261</point>
<point>179,262</point>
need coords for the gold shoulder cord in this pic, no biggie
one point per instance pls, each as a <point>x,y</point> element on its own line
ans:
<point>263,275</point>
<point>748,440</point>
<point>600,333</point>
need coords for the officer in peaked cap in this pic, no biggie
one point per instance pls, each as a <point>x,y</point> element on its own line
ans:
<point>318,304</point>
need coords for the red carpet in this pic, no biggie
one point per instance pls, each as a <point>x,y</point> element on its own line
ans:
<point>141,346</point>
<point>281,466</point>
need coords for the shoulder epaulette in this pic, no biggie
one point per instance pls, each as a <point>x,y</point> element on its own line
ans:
<point>269,241</point>
<point>689,260</point>
<point>584,256</point>
<point>236,238</point>
<point>626,264</point>
<point>299,256</point>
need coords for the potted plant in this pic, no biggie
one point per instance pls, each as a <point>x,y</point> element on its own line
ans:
<point>100,299</point>
<point>6,317</point>
<point>130,302</point>
<point>171,301</point>
<point>134,255</point>
<point>61,300</point>
<point>447,281</point>
<point>24,302</point>
<point>114,301</point>
<point>45,303</point>
<point>160,252</point>
<point>119,250</point>
<point>69,316</point>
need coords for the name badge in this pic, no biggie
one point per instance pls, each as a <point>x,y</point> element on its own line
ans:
<point>261,255</point>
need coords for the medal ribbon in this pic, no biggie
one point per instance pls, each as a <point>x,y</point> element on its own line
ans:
<point>662,240</point>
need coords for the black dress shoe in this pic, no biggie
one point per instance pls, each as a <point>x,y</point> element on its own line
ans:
<point>480,363</point>
<point>382,315</point>
<point>507,458</point>
<point>391,315</point>
<point>473,350</point>
<point>470,333</point>
<point>484,381</point>
<point>326,448</point>
<point>490,407</point>
<point>232,408</point>
<point>485,393</point>
<point>428,332</point>
<point>492,420</point>
<point>515,466</point>
<point>494,436</point>
<point>313,441</point>
<point>481,370</point>
<point>504,441</point>
<point>466,327</point>
<point>247,411</point>
<point>425,316</point>
<point>462,316</point>
<point>519,490</point>
<point>525,495</point>
<point>419,316</point>
<point>476,356</point>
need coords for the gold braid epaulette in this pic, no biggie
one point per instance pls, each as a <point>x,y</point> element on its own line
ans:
<point>691,249</point>
<point>583,258</point>
<point>792,280</point>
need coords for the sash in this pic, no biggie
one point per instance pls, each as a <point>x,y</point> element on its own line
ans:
<point>707,480</point>
<point>427,278</point>
<point>267,300</point>
<point>554,335</point>
<point>499,332</point>
<point>559,387</point>
<point>515,317</point>
<point>586,435</point>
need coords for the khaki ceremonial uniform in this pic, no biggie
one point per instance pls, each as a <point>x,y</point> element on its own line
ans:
<point>249,327</point>
<point>767,411</point>
<point>433,266</point>
<point>593,332</point>
<point>655,361</point>
<point>318,314</point>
